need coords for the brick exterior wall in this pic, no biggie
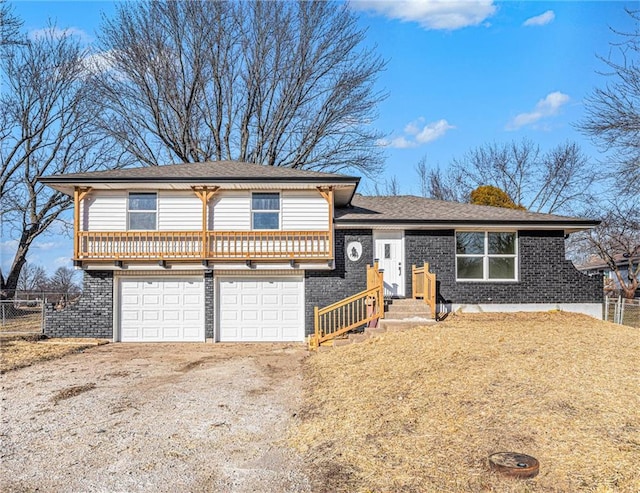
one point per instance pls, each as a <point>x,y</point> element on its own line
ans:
<point>545,276</point>
<point>325,287</point>
<point>209,305</point>
<point>90,316</point>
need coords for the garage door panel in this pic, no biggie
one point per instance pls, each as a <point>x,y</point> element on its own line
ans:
<point>269,309</point>
<point>249,315</point>
<point>249,299</point>
<point>157,310</point>
<point>290,299</point>
<point>269,299</point>
<point>270,315</point>
<point>150,316</point>
<point>249,332</point>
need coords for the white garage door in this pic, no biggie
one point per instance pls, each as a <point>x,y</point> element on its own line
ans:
<point>261,309</point>
<point>162,310</point>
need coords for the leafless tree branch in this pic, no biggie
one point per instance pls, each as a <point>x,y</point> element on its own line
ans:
<point>276,83</point>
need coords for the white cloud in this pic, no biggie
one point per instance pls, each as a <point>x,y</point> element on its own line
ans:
<point>62,262</point>
<point>46,245</point>
<point>8,245</point>
<point>540,20</point>
<point>56,33</point>
<point>99,62</point>
<point>417,134</point>
<point>547,107</point>
<point>431,14</point>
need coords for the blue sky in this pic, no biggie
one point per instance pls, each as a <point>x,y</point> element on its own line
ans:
<point>460,74</point>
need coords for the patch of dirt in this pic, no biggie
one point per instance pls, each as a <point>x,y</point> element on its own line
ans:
<point>70,392</point>
<point>155,417</point>
<point>192,365</point>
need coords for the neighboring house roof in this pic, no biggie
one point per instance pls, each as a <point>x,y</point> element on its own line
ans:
<point>596,263</point>
<point>408,209</point>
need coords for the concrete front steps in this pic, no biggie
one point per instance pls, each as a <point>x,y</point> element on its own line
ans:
<point>400,315</point>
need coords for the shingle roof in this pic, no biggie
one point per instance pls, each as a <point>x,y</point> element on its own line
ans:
<point>595,262</point>
<point>208,171</point>
<point>411,209</point>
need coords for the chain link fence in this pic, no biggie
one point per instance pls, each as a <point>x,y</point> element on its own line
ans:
<point>25,313</point>
<point>21,315</point>
<point>622,311</point>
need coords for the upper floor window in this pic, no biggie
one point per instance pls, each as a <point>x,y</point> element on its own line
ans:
<point>486,256</point>
<point>265,210</point>
<point>143,211</point>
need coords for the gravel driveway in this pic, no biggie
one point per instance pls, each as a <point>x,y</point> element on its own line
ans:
<point>163,417</point>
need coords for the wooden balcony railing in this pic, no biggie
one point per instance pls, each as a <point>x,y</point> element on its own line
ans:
<point>211,245</point>
<point>350,313</point>
<point>424,286</point>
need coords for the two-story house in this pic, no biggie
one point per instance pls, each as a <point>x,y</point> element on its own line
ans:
<point>230,251</point>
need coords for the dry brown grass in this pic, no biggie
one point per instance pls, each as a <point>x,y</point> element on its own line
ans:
<point>24,351</point>
<point>422,410</point>
<point>25,322</point>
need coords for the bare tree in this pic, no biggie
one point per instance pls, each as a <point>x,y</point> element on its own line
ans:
<point>555,181</point>
<point>444,186</point>
<point>422,171</point>
<point>275,83</point>
<point>63,281</point>
<point>46,127</point>
<point>617,241</point>
<point>613,111</point>
<point>9,25</point>
<point>32,278</point>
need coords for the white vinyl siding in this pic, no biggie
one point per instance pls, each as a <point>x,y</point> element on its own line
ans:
<point>231,211</point>
<point>228,211</point>
<point>304,211</point>
<point>104,211</point>
<point>179,211</point>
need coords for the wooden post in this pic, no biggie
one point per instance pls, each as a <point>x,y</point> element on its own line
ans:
<point>316,323</point>
<point>76,222</point>
<point>78,196</point>
<point>205,195</point>
<point>327,193</point>
<point>413,281</point>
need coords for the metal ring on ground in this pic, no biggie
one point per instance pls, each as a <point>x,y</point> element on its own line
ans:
<point>514,464</point>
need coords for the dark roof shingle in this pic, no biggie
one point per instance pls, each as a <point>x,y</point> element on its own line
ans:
<point>208,171</point>
<point>412,209</point>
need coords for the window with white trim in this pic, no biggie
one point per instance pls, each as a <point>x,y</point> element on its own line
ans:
<point>265,210</point>
<point>486,255</point>
<point>142,211</point>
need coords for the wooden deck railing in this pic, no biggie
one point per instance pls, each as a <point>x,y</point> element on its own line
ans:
<point>268,244</point>
<point>352,312</point>
<point>194,245</point>
<point>424,286</point>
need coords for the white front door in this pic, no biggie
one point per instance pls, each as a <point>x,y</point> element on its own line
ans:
<point>389,250</point>
<point>255,309</point>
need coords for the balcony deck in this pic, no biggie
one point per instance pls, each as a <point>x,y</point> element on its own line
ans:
<point>207,245</point>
